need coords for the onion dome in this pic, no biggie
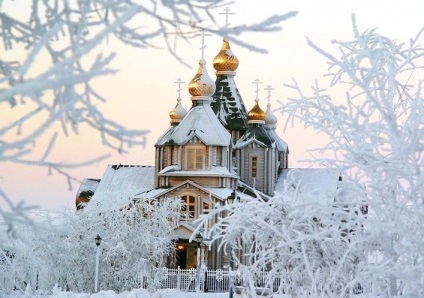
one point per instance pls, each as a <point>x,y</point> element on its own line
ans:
<point>270,119</point>
<point>256,114</point>
<point>225,60</point>
<point>201,84</point>
<point>178,113</point>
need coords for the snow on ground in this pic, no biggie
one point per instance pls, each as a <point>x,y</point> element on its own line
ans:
<point>137,293</point>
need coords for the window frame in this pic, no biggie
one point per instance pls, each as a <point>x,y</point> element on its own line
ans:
<point>186,204</point>
<point>196,162</point>
<point>253,166</point>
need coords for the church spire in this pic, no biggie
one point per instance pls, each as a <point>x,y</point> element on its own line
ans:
<point>227,103</point>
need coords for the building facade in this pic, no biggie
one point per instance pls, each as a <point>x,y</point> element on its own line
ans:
<point>215,150</point>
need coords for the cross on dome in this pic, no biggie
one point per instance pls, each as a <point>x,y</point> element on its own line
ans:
<point>257,82</point>
<point>179,82</point>
<point>227,13</point>
<point>203,34</point>
<point>269,88</point>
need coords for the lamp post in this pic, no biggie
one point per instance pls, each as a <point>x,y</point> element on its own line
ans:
<point>98,240</point>
<point>230,200</point>
<point>199,240</point>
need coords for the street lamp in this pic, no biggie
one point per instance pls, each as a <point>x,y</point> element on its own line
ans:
<point>98,240</point>
<point>231,199</point>
<point>199,240</point>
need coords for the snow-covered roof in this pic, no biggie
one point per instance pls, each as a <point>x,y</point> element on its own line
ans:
<point>88,184</point>
<point>256,133</point>
<point>200,122</point>
<point>314,184</point>
<point>214,171</point>
<point>218,192</point>
<point>228,104</point>
<point>170,169</point>
<point>157,192</point>
<point>120,182</point>
<point>166,136</point>
<point>223,193</point>
<point>150,193</point>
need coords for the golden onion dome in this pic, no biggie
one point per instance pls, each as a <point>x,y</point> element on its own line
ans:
<point>225,60</point>
<point>256,113</point>
<point>178,113</point>
<point>270,117</point>
<point>201,84</point>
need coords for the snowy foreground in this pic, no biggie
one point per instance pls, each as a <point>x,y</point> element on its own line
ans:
<point>137,293</point>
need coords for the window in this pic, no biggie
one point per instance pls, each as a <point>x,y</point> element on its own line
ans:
<point>189,207</point>
<point>195,158</point>
<point>253,167</point>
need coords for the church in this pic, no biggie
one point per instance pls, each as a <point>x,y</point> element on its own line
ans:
<point>215,151</point>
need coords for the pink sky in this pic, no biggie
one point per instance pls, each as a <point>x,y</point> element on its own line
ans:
<point>143,92</point>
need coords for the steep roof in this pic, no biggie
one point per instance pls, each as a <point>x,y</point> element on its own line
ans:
<point>200,122</point>
<point>228,104</point>
<point>120,182</point>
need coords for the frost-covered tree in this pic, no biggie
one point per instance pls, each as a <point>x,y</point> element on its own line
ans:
<point>42,96</point>
<point>372,113</point>
<point>308,248</point>
<point>375,125</point>
<point>136,238</point>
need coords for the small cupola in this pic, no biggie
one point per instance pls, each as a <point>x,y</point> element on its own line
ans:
<point>201,85</point>
<point>225,61</point>
<point>270,119</point>
<point>177,113</point>
<point>256,114</point>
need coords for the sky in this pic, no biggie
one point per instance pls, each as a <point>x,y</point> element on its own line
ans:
<point>142,94</point>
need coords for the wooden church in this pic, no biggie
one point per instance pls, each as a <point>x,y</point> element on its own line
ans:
<point>212,152</point>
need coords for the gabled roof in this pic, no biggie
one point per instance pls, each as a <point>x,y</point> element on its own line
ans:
<point>315,184</point>
<point>256,133</point>
<point>200,122</point>
<point>120,182</point>
<point>228,104</point>
<point>221,193</point>
<point>157,192</point>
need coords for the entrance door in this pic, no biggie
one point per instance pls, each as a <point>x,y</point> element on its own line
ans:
<point>181,253</point>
